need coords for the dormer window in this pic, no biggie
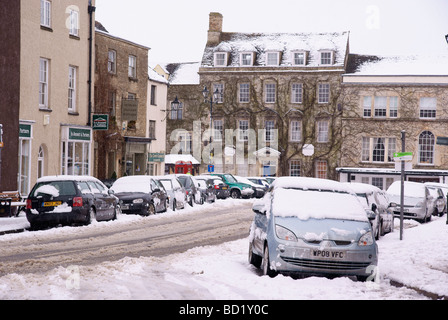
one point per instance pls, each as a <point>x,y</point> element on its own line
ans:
<point>220,59</point>
<point>299,58</point>
<point>272,58</point>
<point>326,58</point>
<point>247,59</point>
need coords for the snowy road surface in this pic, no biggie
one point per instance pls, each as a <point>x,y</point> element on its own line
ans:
<point>130,236</point>
<point>419,262</point>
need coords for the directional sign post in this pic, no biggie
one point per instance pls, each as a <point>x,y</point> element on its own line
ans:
<point>403,156</point>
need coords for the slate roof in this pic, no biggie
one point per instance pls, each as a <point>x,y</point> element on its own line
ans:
<point>285,43</point>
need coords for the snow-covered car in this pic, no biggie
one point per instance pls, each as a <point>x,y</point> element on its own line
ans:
<point>142,195</point>
<point>376,204</point>
<point>191,188</point>
<point>206,187</point>
<point>310,226</point>
<point>439,192</point>
<point>419,203</point>
<point>177,197</point>
<point>222,190</point>
<point>259,189</point>
<point>68,200</point>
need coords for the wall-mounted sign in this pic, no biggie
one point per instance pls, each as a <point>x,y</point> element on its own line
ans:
<point>79,134</point>
<point>24,131</point>
<point>129,109</point>
<point>156,157</point>
<point>100,122</point>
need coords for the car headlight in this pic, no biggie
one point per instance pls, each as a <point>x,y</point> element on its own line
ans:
<point>285,234</point>
<point>139,200</point>
<point>419,204</point>
<point>366,239</point>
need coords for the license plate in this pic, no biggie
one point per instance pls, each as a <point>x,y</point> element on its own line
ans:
<point>52,203</point>
<point>124,207</point>
<point>224,188</point>
<point>329,254</point>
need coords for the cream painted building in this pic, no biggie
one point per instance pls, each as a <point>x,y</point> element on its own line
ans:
<point>55,136</point>
<point>156,112</point>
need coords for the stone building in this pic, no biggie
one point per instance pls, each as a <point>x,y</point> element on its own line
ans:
<point>383,97</point>
<point>46,97</point>
<point>279,113</point>
<point>121,93</point>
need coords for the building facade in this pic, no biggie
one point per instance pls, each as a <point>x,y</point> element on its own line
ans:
<point>279,113</point>
<point>47,130</point>
<point>384,97</point>
<point>121,93</point>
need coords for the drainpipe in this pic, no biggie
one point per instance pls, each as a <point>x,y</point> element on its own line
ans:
<point>91,10</point>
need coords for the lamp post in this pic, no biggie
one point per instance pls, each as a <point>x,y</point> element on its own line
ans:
<point>213,99</point>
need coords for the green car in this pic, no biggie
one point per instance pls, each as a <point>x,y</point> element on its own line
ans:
<point>237,189</point>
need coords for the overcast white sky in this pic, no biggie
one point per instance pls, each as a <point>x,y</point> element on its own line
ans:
<point>176,30</point>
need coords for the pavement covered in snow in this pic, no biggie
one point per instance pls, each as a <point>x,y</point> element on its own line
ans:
<point>419,263</point>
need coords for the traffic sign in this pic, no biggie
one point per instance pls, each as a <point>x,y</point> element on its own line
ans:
<point>211,168</point>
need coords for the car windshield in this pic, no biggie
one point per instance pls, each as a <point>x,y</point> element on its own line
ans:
<point>167,184</point>
<point>230,178</point>
<point>54,188</point>
<point>309,203</point>
<point>132,184</point>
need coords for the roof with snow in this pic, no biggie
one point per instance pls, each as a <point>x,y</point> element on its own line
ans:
<point>363,65</point>
<point>154,76</point>
<point>285,43</point>
<point>183,73</point>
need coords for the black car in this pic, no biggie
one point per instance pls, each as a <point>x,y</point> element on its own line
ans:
<point>66,200</point>
<point>222,189</point>
<point>207,188</point>
<point>142,195</point>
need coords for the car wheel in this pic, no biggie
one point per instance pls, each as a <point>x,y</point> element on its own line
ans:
<point>254,259</point>
<point>235,194</point>
<point>266,264</point>
<point>92,215</point>
<point>117,212</point>
<point>151,210</point>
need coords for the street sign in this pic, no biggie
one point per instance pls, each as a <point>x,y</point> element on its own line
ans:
<point>403,156</point>
<point>443,141</point>
<point>211,168</point>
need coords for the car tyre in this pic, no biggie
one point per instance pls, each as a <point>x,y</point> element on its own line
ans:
<point>235,194</point>
<point>254,259</point>
<point>151,210</point>
<point>266,264</point>
<point>92,215</point>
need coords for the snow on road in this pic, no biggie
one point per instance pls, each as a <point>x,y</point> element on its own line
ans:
<point>419,261</point>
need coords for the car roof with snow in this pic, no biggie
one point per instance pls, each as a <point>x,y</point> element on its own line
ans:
<point>67,178</point>
<point>310,183</point>
<point>362,187</point>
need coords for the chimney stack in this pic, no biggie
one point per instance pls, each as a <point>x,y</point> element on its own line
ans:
<point>215,28</point>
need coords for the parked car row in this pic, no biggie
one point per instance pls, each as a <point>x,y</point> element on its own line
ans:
<point>421,200</point>
<point>64,200</point>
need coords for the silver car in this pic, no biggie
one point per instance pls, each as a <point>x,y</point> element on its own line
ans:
<point>418,201</point>
<point>309,226</point>
<point>177,196</point>
<point>375,201</point>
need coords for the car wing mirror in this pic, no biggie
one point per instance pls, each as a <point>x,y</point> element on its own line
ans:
<point>110,192</point>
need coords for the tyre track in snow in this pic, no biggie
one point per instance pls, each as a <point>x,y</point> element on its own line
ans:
<point>36,252</point>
